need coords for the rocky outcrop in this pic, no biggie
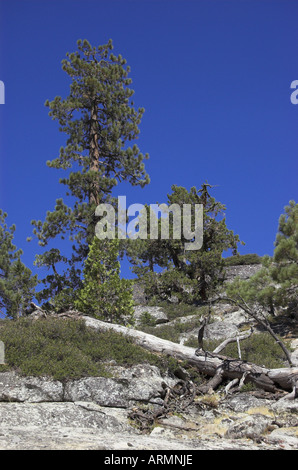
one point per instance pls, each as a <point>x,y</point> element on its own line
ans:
<point>41,414</point>
<point>244,272</point>
<point>139,383</point>
<point>231,272</point>
<point>95,413</point>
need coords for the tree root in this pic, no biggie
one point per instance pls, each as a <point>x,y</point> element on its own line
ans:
<point>176,400</point>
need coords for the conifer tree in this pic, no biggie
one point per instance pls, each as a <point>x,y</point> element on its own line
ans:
<point>146,254</point>
<point>189,275</point>
<point>284,271</point>
<point>17,285</point>
<point>58,287</point>
<point>275,286</point>
<point>104,294</point>
<point>204,267</point>
<point>101,123</point>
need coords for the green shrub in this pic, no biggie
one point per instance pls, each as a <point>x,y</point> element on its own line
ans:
<point>147,319</point>
<point>260,348</point>
<point>105,295</point>
<point>66,348</point>
<point>172,332</point>
<point>250,258</point>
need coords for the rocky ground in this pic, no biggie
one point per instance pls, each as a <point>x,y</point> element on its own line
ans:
<point>97,413</point>
<point>141,409</point>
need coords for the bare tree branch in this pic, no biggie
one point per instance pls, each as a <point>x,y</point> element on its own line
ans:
<point>222,345</point>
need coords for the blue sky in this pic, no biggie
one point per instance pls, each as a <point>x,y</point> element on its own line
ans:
<point>214,78</point>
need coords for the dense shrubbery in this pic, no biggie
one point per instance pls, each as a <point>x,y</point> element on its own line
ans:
<point>65,348</point>
<point>172,332</point>
<point>104,294</point>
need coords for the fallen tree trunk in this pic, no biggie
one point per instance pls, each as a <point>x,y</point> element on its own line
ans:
<point>208,363</point>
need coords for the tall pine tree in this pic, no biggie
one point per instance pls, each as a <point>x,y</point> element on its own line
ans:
<point>101,123</point>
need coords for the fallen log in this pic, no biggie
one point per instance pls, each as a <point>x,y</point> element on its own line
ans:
<point>208,363</point>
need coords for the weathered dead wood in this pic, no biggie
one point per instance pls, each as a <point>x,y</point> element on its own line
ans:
<point>176,399</point>
<point>237,338</point>
<point>214,382</point>
<point>202,326</point>
<point>230,385</point>
<point>293,394</point>
<point>207,363</point>
<point>201,332</point>
<point>242,381</point>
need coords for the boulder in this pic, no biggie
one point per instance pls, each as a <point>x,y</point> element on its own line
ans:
<point>220,330</point>
<point>242,271</point>
<point>15,388</point>
<point>66,415</point>
<point>252,427</point>
<point>243,402</point>
<point>139,383</point>
<point>284,438</point>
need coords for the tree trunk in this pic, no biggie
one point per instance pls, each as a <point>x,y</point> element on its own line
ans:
<point>94,153</point>
<point>203,324</point>
<point>207,363</point>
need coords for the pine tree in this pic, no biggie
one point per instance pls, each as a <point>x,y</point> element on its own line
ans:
<point>17,285</point>
<point>284,271</point>
<point>104,294</point>
<point>275,286</point>
<point>145,254</point>
<point>59,286</point>
<point>189,275</point>
<point>100,122</point>
<point>204,267</point>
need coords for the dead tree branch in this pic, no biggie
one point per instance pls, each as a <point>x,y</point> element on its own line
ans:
<point>222,345</point>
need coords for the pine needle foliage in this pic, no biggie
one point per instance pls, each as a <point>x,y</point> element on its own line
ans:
<point>17,284</point>
<point>101,125</point>
<point>104,294</point>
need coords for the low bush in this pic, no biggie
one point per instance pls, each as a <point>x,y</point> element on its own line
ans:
<point>67,348</point>
<point>172,332</point>
<point>250,258</point>
<point>260,349</point>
